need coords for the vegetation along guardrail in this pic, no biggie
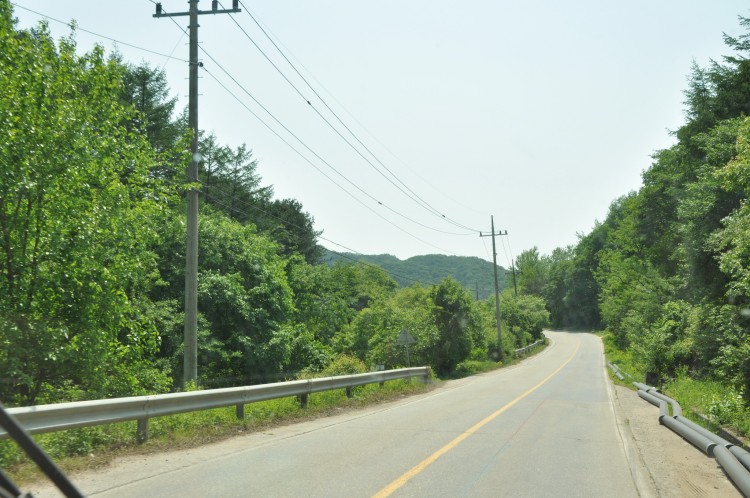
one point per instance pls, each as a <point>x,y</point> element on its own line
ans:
<point>62,416</point>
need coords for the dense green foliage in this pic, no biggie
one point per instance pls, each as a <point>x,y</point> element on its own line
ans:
<point>92,244</point>
<point>667,272</point>
<point>79,213</point>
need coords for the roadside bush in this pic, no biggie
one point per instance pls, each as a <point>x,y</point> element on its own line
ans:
<point>344,364</point>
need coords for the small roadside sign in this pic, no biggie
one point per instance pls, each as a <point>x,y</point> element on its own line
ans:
<point>405,338</point>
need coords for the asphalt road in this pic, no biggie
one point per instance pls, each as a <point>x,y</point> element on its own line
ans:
<point>545,427</point>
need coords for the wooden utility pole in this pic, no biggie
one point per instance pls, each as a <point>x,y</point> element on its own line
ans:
<point>497,288</point>
<point>513,272</point>
<point>190,363</point>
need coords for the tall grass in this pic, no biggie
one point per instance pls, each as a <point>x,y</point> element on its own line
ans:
<point>623,358</point>
<point>700,399</point>
<point>722,404</point>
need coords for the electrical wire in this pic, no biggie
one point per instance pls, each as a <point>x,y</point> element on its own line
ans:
<point>171,57</point>
<point>222,203</point>
<point>78,28</point>
<point>306,159</point>
<point>410,194</point>
<point>281,124</point>
<point>257,102</point>
<point>164,64</point>
<point>237,210</point>
<point>505,251</point>
<point>266,30</point>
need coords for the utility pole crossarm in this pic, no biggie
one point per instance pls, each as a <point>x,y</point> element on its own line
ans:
<point>214,10</point>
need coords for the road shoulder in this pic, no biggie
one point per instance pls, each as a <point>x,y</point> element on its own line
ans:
<point>663,464</point>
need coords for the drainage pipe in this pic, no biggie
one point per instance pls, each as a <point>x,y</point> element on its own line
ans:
<point>676,408</point>
<point>737,452</point>
<point>741,455</point>
<point>739,474</point>
<point>663,409</point>
<point>698,440</point>
<point>616,371</point>
<point>697,428</point>
<point>733,459</point>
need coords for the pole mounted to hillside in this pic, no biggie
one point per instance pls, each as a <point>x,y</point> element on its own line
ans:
<point>497,289</point>
<point>190,364</point>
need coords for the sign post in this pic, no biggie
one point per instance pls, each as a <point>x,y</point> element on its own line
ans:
<point>405,338</point>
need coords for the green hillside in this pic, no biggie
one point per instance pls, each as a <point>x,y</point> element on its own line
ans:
<point>471,272</point>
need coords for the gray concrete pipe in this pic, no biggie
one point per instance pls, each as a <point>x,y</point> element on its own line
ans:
<point>663,409</point>
<point>676,408</point>
<point>697,428</point>
<point>734,460</point>
<point>698,440</point>
<point>741,455</point>
<point>616,371</point>
<point>737,473</point>
<point>738,452</point>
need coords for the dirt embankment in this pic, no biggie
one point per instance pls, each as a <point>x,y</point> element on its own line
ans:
<point>664,464</point>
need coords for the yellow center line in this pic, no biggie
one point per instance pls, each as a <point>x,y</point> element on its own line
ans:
<point>388,490</point>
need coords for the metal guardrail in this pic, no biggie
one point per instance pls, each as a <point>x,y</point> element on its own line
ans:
<point>618,373</point>
<point>62,416</point>
<point>520,351</point>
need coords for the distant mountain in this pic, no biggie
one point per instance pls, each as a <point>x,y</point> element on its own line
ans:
<point>475,274</point>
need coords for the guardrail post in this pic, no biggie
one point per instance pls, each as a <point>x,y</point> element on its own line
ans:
<point>142,432</point>
<point>240,411</point>
<point>348,392</point>
<point>302,398</point>
<point>380,368</point>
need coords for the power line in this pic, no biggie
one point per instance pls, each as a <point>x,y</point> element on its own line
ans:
<point>237,210</point>
<point>257,102</point>
<point>266,30</point>
<point>410,194</point>
<point>306,159</point>
<point>387,207</point>
<point>293,225</point>
<point>74,26</point>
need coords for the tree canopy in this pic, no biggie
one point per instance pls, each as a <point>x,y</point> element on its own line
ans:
<point>92,243</point>
<point>667,271</point>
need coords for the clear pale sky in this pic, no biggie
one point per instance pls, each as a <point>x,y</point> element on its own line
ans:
<point>540,113</point>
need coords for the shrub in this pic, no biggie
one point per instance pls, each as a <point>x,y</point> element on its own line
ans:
<point>344,364</point>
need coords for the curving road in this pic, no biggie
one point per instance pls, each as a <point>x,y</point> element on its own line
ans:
<point>545,427</point>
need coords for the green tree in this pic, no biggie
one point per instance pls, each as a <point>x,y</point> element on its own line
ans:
<point>145,89</point>
<point>78,215</point>
<point>375,330</point>
<point>531,272</point>
<point>457,322</point>
<point>292,228</point>
<point>244,297</point>
<point>214,164</point>
<point>524,316</point>
<point>557,284</point>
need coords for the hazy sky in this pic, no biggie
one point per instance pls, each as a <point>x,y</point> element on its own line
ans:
<point>540,113</point>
